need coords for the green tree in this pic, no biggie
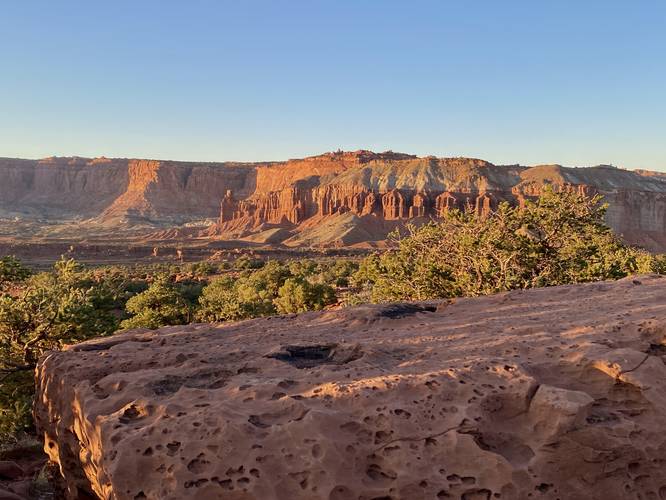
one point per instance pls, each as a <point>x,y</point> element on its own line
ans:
<point>299,295</point>
<point>161,304</point>
<point>12,270</point>
<point>219,302</point>
<point>52,309</point>
<point>557,239</point>
<point>256,290</point>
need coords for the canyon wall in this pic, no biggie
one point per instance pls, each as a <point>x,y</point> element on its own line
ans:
<point>53,188</point>
<point>165,191</point>
<point>118,190</point>
<point>393,188</point>
<point>126,190</point>
<point>406,189</point>
<point>343,197</point>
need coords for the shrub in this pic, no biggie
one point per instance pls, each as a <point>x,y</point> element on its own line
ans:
<point>160,305</point>
<point>247,295</point>
<point>52,309</point>
<point>245,262</point>
<point>16,394</point>
<point>257,290</point>
<point>559,238</point>
<point>299,295</point>
<point>275,288</point>
<point>203,268</point>
<point>303,268</point>
<point>219,302</point>
<point>653,264</point>
<point>12,270</point>
<point>336,273</point>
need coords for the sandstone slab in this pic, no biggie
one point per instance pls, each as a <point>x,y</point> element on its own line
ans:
<point>493,397</point>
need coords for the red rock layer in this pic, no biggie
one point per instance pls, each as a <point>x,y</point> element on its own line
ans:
<point>391,187</point>
<point>112,190</point>
<point>296,204</point>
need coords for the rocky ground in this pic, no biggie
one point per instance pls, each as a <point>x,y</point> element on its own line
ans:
<point>25,474</point>
<point>41,255</point>
<point>554,393</point>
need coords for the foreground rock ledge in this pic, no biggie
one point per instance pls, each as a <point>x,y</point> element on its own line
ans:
<point>548,393</point>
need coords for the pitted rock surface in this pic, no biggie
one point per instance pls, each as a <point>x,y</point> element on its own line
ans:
<point>554,393</point>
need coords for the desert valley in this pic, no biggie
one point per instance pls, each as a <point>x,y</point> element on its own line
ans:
<point>115,210</point>
<point>205,382</point>
<point>333,250</point>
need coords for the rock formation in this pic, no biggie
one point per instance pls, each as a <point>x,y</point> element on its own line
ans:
<point>377,191</point>
<point>114,191</point>
<point>546,393</point>
<point>399,189</point>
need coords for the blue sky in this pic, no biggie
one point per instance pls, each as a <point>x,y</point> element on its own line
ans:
<point>571,82</point>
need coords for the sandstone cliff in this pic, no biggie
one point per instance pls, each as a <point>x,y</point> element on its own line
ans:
<point>358,196</point>
<point>381,193</point>
<point>119,190</point>
<point>547,393</point>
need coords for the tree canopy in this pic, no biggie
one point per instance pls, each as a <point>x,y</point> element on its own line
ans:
<point>559,238</point>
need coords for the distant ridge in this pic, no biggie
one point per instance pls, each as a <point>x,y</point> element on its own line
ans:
<point>338,198</point>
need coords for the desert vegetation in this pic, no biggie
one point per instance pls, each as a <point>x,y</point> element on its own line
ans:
<point>559,238</point>
<point>70,303</point>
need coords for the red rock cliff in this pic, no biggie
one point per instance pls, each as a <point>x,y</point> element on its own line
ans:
<point>394,189</point>
<point>112,190</point>
<point>370,191</point>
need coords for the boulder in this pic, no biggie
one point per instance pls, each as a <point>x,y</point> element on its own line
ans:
<point>544,393</point>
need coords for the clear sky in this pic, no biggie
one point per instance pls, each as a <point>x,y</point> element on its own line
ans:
<point>574,82</point>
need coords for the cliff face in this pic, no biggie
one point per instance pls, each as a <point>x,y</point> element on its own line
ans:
<point>504,396</point>
<point>54,188</point>
<point>392,188</point>
<point>177,191</point>
<point>337,198</point>
<point>383,192</point>
<point>119,190</point>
